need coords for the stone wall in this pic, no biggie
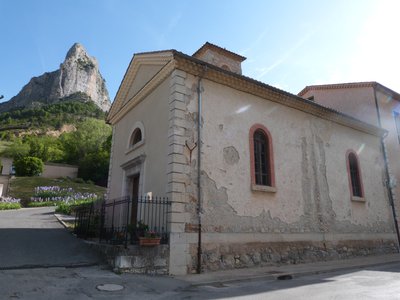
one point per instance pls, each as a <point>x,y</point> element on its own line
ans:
<point>135,259</point>
<point>220,256</point>
<point>52,170</point>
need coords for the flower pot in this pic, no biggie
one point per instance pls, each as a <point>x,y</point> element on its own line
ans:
<point>147,241</point>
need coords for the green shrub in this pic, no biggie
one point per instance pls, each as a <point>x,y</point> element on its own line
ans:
<point>42,204</point>
<point>68,208</point>
<point>5,206</point>
<point>28,166</point>
<point>64,208</point>
<point>79,180</point>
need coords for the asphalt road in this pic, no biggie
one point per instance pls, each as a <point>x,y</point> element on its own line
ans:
<point>32,237</point>
<point>39,259</point>
<point>379,282</point>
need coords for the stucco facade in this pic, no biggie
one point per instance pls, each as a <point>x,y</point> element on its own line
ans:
<point>217,214</point>
<point>373,103</point>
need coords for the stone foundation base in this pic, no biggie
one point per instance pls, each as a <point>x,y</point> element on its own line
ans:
<point>230,256</point>
<point>135,259</point>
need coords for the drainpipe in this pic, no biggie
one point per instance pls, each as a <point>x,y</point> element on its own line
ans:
<point>388,184</point>
<point>199,174</point>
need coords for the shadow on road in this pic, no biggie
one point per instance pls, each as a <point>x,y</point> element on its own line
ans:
<point>46,247</point>
<point>259,288</point>
<point>33,237</point>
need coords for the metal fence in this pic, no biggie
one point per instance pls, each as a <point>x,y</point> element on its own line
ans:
<point>124,220</point>
<point>87,219</point>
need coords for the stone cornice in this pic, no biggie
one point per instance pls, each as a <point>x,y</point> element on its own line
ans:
<point>256,88</point>
<point>177,60</point>
<point>125,105</point>
<point>133,162</point>
<point>372,84</point>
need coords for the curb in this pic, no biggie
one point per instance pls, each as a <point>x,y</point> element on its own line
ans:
<point>67,266</point>
<point>285,275</point>
<point>60,219</point>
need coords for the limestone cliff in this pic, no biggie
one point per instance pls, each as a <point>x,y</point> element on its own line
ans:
<point>78,74</point>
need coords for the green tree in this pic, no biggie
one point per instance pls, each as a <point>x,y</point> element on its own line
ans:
<point>47,148</point>
<point>28,166</point>
<point>88,138</point>
<point>94,166</point>
<point>16,150</point>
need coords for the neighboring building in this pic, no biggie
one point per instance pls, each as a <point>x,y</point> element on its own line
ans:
<point>5,171</point>
<point>373,103</point>
<point>50,170</point>
<point>277,179</point>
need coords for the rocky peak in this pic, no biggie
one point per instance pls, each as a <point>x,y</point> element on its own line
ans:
<point>75,51</point>
<point>78,74</point>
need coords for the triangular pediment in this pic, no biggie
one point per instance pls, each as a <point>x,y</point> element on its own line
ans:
<point>144,74</point>
<point>142,69</point>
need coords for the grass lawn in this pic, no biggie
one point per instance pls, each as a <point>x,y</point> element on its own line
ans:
<point>23,187</point>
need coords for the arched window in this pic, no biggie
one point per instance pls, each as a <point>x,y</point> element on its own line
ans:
<point>261,156</point>
<point>262,169</point>
<point>354,173</point>
<point>136,137</point>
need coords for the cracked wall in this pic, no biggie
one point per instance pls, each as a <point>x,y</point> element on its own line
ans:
<point>312,202</point>
<point>308,216</point>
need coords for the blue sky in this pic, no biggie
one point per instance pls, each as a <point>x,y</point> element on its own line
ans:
<point>288,44</point>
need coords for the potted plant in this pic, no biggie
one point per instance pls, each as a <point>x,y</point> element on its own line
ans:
<point>150,238</point>
<point>141,228</point>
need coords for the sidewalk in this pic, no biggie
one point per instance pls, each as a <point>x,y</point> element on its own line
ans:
<point>275,271</point>
<point>287,271</point>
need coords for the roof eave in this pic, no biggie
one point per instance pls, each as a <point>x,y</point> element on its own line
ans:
<point>198,67</point>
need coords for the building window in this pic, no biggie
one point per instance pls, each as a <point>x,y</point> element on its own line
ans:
<point>262,169</point>
<point>136,136</point>
<point>354,173</point>
<point>261,156</point>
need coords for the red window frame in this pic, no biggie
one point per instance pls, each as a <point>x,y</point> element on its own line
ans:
<point>354,174</point>
<point>269,153</point>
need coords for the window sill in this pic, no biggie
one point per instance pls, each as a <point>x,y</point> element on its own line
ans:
<point>263,188</point>
<point>134,147</point>
<point>357,199</point>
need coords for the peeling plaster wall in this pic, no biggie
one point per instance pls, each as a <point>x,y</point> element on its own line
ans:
<point>387,105</point>
<point>310,168</point>
<point>360,103</point>
<point>312,202</point>
<point>153,113</point>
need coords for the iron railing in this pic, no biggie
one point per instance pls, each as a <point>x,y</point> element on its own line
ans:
<point>87,219</point>
<point>123,220</point>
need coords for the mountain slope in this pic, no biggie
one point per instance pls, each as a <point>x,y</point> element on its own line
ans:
<point>78,74</point>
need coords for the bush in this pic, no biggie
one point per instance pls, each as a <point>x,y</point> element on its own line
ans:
<point>68,208</point>
<point>28,166</point>
<point>42,204</point>
<point>79,180</point>
<point>5,206</point>
<point>64,208</point>
<point>9,203</point>
<point>63,198</point>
